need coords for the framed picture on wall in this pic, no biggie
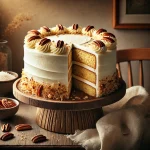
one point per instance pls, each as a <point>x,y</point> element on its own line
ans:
<point>131,14</point>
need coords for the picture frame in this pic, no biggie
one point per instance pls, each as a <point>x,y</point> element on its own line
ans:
<point>122,20</point>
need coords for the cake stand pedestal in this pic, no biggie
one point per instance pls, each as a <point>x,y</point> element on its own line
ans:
<point>68,116</point>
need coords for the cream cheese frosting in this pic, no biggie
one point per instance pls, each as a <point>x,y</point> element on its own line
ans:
<point>32,40</point>
<point>58,48</point>
<point>45,31</point>
<point>44,45</point>
<point>97,46</point>
<point>59,29</point>
<point>74,29</point>
<point>88,30</point>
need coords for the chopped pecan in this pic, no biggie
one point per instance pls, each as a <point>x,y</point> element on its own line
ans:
<point>39,90</point>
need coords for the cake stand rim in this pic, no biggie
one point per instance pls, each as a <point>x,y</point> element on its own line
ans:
<point>69,105</point>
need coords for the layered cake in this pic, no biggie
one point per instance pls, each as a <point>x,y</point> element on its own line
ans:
<point>59,59</point>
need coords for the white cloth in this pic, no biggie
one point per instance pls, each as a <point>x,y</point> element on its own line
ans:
<point>125,125</point>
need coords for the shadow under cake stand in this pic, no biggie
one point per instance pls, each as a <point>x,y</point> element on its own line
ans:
<point>68,116</point>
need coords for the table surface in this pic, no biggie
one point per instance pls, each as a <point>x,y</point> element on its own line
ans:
<point>22,139</point>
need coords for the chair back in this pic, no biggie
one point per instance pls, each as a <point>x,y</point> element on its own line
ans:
<point>129,55</point>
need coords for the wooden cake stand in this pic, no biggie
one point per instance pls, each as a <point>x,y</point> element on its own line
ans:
<point>70,115</point>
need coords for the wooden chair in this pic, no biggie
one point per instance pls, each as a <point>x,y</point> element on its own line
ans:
<point>129,55</point>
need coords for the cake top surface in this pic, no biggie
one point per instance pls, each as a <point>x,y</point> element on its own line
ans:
<point>59,39</point>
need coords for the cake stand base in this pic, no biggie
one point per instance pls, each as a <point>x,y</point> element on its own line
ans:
<point>62,121</point>
<point>68,116</point>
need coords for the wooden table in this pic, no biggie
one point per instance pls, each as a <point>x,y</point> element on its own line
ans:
<point>22,140</point>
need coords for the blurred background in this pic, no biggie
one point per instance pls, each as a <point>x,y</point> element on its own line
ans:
<point>19,16</point>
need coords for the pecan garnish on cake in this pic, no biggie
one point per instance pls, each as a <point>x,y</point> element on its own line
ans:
<point>60,44</point>
<point>44,41</point>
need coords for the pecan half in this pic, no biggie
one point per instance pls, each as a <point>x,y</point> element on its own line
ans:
<point>60,27</point>
<point>35,32</point>
<point>106,34</point>
<point>7,136</point>
<point>39,90</point>
<point>75,26</point>
<point>8,103</point>
<point>46,28</point>
<point>6,127</point>
<point>60,44</point>
<point>100,31</point>
<point>33,38</point>
<point>108,39</point>
<point>99,43</point>
<point>1,105</point>
<point>38,138</point>
<point>44,41</point>
<point>22,127</point>
<point>88,28</point>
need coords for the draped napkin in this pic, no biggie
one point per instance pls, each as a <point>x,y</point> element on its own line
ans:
<point>124,126</point>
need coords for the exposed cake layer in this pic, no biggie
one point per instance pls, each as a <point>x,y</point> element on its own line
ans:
<point>105,86</point>
<point>84,57</point>
<point>78,84</point>
<point>84,73</point>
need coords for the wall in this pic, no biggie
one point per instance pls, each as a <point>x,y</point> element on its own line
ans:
<point>66,12</point>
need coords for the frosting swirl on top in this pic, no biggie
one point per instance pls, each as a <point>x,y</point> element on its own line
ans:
<point>45,31</point>
<point>88,30</point>
<point>58,47</point>
<point>32,33</point>
<point>32,40</point>
<point>59,29</point>
<point>109,42</point>
<point>74,29</point>
<point>98,46</point>
<point>43,45</point>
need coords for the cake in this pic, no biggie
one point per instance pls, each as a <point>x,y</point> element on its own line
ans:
<point>59,59</point>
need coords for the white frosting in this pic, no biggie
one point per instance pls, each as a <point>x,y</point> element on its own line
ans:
<point>46,61</point>
<point>49,75</point>
<point>71,38</point>
<point>48,67</point>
